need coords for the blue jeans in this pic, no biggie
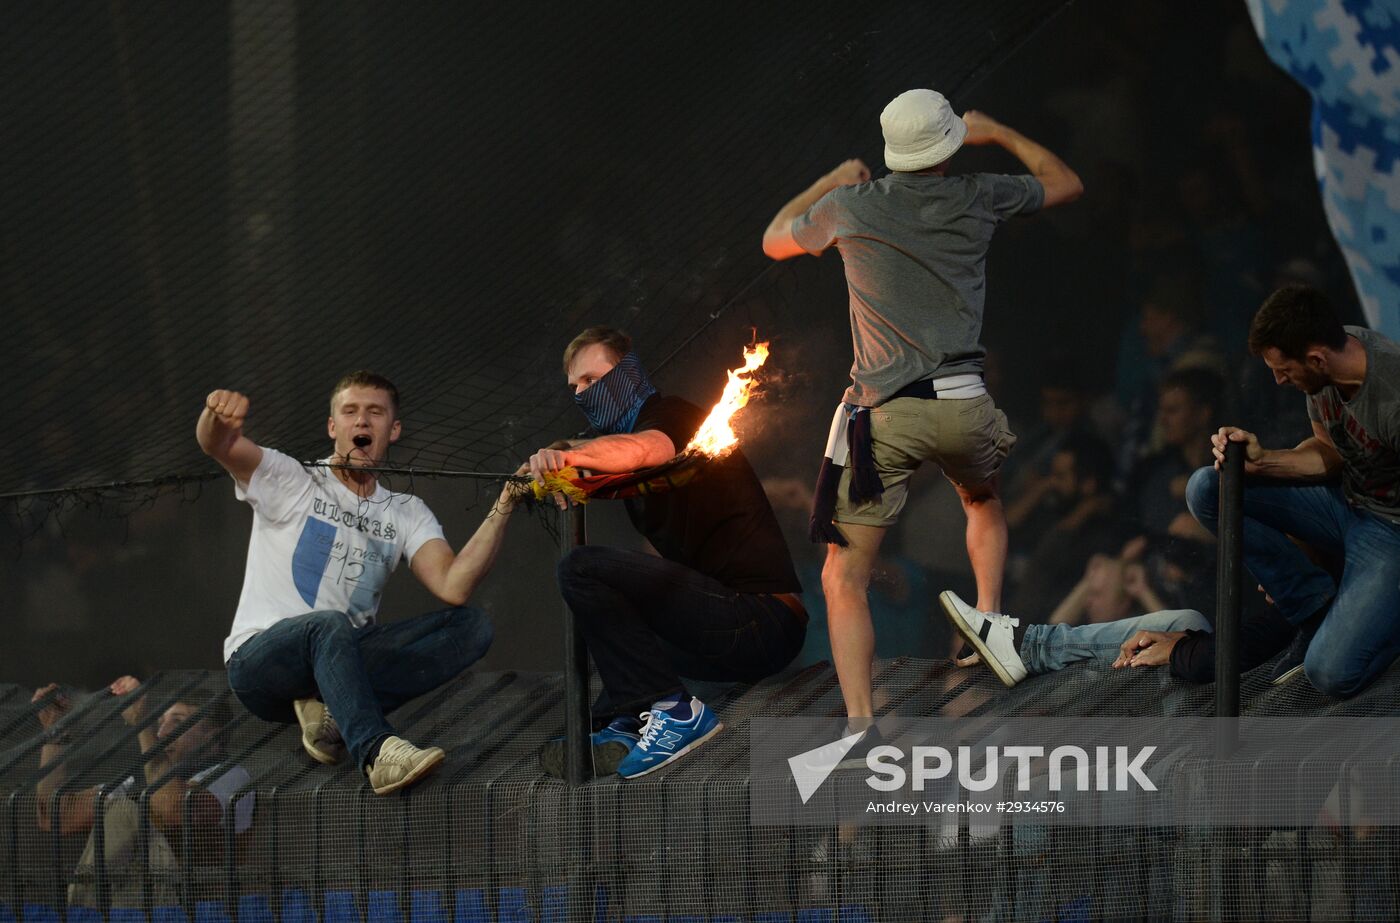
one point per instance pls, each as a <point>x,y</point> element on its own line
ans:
<point>358,673</point>
<point>1046,648</point>
<point>1360,635</point>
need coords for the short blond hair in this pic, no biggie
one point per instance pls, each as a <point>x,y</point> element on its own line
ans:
<point>366,379</point>
<point>617,342</point>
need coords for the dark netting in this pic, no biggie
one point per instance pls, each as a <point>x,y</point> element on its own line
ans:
<point>490,837</point>
<point>262,196</point>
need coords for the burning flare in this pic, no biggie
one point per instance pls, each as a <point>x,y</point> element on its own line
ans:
<point>715,437</point>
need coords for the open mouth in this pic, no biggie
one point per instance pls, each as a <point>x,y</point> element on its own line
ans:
<point>362,442</point>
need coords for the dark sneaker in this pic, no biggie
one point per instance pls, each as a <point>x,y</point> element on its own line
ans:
<point>1290,664</point>
<point>855,757</point>
<point>610,746</point>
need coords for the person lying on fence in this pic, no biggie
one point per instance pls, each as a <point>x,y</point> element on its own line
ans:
<point>182,751</point>
<point>1338,491</point>
<point>305,645</point>
<point>718,602</point>
<point>1180,639</point>
<point>914,245</point>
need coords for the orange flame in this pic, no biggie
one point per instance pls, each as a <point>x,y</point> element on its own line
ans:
<point>715,436</point>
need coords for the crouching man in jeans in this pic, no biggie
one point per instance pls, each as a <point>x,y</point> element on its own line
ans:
<point>304,644</point>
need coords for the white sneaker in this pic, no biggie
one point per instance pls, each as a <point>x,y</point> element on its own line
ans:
<point>990,634</point>
<point>400,764</point>
<point>320,735</point>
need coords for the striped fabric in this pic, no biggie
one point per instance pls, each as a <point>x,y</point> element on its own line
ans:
<point>612,403</point>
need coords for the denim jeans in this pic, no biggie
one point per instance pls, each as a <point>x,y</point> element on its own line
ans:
<point>1360,635</point>
<point>358,673</point>
<point>1046,648</point>
<point>648,621</point>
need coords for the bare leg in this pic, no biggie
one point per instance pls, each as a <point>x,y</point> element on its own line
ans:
<point>986,542</point>
<point>845,579</point>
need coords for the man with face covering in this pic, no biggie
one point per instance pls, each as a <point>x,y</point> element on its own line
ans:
<point>717,602</point>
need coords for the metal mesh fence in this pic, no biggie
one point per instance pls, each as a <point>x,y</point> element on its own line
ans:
<point>490,837</point>
<point>262,196</point>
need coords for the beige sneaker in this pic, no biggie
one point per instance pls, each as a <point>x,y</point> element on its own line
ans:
<point>319,733</point>
<point>400,764</point>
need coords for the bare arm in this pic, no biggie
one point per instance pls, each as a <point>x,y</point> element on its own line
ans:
<point>607,454</point>
<point>453,578</point>
<point>74,808</point>
<point>168,807</point>
<point>1061,184</point>
<point>778,241</point>
<point>220,434</point>
<point>1313,459</point>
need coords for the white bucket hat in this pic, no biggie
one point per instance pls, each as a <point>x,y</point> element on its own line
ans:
<point>921,130</point>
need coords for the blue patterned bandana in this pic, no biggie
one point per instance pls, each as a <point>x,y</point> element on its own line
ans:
<point>612,403</point>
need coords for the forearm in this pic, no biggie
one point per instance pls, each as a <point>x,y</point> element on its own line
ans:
<point>621,452</point>
<point>474,561</point>
<point>214,440</point>
<point>1310,460</point>
<point>157,765</point>
<point>777,241</point>
<point>1061,184</point>
<point>1070,611</point>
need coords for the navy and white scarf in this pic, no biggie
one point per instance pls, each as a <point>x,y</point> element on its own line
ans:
<point>612,403</point>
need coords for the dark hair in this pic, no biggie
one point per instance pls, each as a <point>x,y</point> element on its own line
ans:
<point>617,342</point>
<point>1176,296</point>
<point>1294,318</point>
<point>366,379</point>
<point>1092,457</point>
<point>1205,387</point>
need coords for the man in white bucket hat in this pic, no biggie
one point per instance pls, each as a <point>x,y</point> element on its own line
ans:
<point>914,244</point>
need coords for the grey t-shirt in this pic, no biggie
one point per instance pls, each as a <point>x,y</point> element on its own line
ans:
<point>915,248</point>
<point>1366,429</point>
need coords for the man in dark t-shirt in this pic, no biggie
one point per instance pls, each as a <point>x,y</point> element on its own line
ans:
<point>719,602</point>
<point>1338,491</point>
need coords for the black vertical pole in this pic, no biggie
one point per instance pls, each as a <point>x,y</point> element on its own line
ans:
<point>578,754</point>
<point>1229,588</point>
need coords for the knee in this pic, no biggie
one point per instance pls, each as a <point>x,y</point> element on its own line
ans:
<point>578,565</point>
<point>474,627</point>
<point>974,498</point>
<point>1189,620</point>
<point>841,576</point>
<point>1332,677</point>
<point>327,623</point>
<point>1202,492</point>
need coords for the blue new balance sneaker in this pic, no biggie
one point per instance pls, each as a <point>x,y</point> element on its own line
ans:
<point>610,747</point>
<point>672,729</point>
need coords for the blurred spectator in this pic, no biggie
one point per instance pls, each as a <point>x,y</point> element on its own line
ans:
<point>1188,412</point>
<point>1064,410</point>
<point>1167,339</point>
<point>1112,588</point>
<point>1075,518</point>
<point>182,752</point>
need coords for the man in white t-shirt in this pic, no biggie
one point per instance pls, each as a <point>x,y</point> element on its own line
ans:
<point>305,644</point>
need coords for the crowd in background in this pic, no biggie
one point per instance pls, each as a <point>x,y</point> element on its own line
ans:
<point>1115,331</point>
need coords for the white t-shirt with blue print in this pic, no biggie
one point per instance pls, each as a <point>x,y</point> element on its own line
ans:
<point>316,545</point>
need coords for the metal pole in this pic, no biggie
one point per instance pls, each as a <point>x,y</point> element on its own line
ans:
<point>578,753</point>
<point>1229,585</point>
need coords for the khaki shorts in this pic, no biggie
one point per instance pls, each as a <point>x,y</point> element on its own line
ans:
<point>967,439</point>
